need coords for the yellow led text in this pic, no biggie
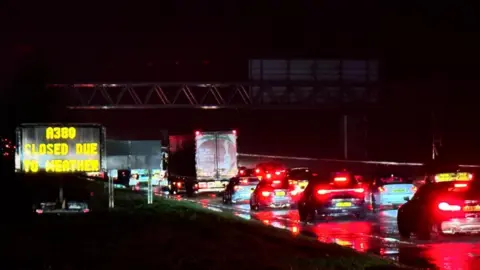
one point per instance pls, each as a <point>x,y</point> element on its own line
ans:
<point>89,165</point>
<point>57,149</point>
<point>86,148</point>
<point>66,133</point>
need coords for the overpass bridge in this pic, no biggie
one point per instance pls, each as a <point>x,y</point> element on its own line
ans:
<point>215,95</point>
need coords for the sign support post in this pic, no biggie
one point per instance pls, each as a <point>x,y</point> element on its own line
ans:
<point>150,188</point>
<point>111,193</point>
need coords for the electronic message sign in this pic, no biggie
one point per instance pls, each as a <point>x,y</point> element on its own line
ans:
<point>59,148</point>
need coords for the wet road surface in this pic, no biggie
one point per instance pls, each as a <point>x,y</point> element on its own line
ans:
<point>377,234</point>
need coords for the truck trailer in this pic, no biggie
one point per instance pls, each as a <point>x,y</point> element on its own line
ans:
<point>202,162</point>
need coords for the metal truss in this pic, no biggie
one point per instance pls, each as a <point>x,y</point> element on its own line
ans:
<point>299,95</point>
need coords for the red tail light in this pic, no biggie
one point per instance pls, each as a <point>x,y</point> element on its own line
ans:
<point>340,179</point>
<point>462,185</point>
<point>381,189</point>
<point>179,184</point>
<point>323,191</point>
<point>242,172</point>
<point>269,176</point>
<point>86,210</point>
<point>244,181</point>
<point>265,193</point>
<point>444,206</point>
<point>359,190</point>
<point>277,182</point>
<point>257,171</point>
<point>278,173</point>
<point>414,189</point>
<point>197,133</point>
<point>236,187</point>
<point>39,211</point>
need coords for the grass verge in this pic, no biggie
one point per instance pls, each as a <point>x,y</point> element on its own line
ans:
<point>172,235</point>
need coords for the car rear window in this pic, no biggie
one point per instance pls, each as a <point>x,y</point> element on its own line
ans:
<point>336,179</point>
<point>247,181</point>
<point>283,184</point>
<point>394,179</point>
<point>303,174</point>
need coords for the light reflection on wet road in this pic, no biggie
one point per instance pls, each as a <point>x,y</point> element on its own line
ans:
<point>377,234</point>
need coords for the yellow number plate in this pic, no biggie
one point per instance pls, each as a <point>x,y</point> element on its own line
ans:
<point>469,208</point>
<point>280,193</point>
<point>343,204</point>
<point>398,190</point>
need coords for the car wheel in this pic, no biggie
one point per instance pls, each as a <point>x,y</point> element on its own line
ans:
<point>374,206</point>
<point>428,230</point>
<point>302,215</point>
<point>361,215</point>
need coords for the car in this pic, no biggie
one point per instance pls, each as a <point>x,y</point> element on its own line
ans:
<point>271,194</point>
<point>332,195</point>
<point>442,207</point>
<point>298,179</point>
<point>143,187</point>
<point>389,191</point>
<point>270,171</point>
<point>239,189</point>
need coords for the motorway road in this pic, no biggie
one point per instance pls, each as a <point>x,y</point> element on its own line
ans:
<point>377,234</point>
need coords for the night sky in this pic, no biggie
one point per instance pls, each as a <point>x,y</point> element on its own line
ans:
<point>428,53</point>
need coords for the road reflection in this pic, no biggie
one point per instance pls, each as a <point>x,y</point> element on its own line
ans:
<point>378,234</point>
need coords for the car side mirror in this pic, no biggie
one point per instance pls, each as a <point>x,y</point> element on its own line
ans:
<point>406,198</point>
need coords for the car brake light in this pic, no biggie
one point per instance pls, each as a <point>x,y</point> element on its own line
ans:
<point>381,189</point>
<point>359,190</point>
<point>236,187</point>
<point>277,181</point>
<point>444,206</point>
<point>244,181</point>
<point>322,191</point>
<point>414,189</point>
<point>242,172</point>
<point>257,171</point>
<point>269,176</point>
<point>39,211</point>
<point>265,193</point>
<point>86,210</point>
<point>340,179</point>
<point>278,173</point>
<point>470,176</point>
<point>179,184</point>
<point>460,185</point>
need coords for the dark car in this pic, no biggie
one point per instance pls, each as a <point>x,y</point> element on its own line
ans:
<point>331,195</point>
<point>270,171</point>
<point>239,189</point>
<point>439,208</point>
<point>298,179</point>
<point>271,194</point>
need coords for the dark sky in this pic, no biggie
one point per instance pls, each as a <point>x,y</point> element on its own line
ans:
<point>424,48</point>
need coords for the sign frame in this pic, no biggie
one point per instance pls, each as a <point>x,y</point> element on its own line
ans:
<point>19,139</point>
